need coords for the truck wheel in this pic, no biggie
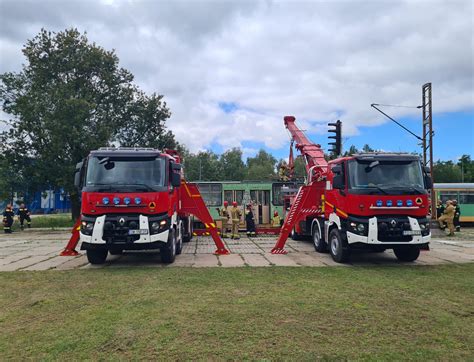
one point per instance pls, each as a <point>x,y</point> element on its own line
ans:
<point>97,256</point>
<point>168,252</point>
<point>189,235</point>
<point>294,235</point>
<point>179,244</point>
<point>319,244</point>
<point>407,254</point>
<point>339,253</point>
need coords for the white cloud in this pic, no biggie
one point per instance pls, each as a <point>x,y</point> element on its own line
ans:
<point>319,61</point>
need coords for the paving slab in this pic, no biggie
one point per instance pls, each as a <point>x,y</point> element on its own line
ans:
<point>48,264</point>
<point>73,262</point>
<point>255,260</point>
<point>23,263</point>
<point>231,260</point>
<point>281,260</point>
<point>184,260</point>
<point>206,260</point>
<point>306,259</point>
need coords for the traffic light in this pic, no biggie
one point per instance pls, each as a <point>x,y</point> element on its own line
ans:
<point>337,144</point>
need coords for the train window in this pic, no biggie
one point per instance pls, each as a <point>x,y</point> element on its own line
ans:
<point>466,197</point>
<point>239,196</point>
<point>228,196</point>
<point>211,194</point>
<point>277,195</point>
<point>445,196</point>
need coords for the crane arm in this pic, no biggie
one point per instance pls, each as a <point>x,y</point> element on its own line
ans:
<point>311,152</point>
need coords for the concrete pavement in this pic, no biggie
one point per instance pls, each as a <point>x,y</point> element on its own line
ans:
<point>39,250</point>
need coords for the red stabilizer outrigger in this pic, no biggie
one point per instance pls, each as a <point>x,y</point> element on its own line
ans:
<point>70,249</point>
<point>192,203</point>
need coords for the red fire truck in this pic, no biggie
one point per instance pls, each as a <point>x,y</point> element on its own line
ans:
<point>373,201</point>
<point>136,199</point>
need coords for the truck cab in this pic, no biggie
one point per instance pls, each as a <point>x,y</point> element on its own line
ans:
<point>130,201</point>
<point>375,201</point>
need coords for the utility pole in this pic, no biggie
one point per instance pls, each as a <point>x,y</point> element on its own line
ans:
<point>428,136</point>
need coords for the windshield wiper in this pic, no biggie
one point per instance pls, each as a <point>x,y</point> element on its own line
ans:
<point>145,186</point>
<point>406,186</point>
<point>380,189</point>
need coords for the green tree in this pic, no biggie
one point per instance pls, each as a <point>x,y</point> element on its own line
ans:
<point>466,167</point>
<point>71,97</point>
<point>261,167</point>
<point>446,171</point>
<point>352,151</point>
<point>203,166</point>
<point>232,166</point>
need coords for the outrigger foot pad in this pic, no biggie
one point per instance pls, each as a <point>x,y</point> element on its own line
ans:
<point>222,252</point>
<point>279,251</point>
<point>67,252</point>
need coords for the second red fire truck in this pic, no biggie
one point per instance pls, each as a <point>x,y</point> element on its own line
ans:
<point>373,201</point>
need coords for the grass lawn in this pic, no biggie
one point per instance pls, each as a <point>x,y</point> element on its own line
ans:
<point>243,313</point>
<point>50,221</point>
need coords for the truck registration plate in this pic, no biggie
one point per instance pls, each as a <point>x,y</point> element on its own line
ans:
<point>411,232</point>
<point>138,232</point>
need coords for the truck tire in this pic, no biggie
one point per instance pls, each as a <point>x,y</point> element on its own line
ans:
<point>409,254</point>
<point>319,244</point>
<point>96,256</point>
<point>189,235</point>
<point>339,253</point>
<point>179,242</point>
<point>294,235</point>
<point>168,252</point>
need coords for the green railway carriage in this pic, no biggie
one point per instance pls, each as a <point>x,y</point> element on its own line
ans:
<point>266,197</point>
<point>463,192</point>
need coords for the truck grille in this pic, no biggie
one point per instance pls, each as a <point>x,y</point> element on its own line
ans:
<point>391,229</point>
<point>116,229</point>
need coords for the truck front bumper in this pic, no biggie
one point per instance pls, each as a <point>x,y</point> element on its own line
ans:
<point>374,235</point>
<point>145,240</point>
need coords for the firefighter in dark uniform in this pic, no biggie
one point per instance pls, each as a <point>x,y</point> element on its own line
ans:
<point>24,214</point>
<point>250,221</point>
<point>8,215</point>
<point>457,215</point>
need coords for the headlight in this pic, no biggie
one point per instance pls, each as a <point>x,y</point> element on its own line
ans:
<point>138,200</point>
<point>105,200</point>
<point>361,228</point>
<point>87,227</point>
<point>155,226</point>
<point>126,200</point>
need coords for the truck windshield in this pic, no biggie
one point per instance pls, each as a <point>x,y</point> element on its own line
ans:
<point>385,177</point>
<point>125,174</point>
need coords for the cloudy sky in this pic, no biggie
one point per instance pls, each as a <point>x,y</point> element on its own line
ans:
<point>231,70</point>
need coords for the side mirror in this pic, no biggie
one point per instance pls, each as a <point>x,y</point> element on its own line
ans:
<point>77,174</point>
<point>427,169</point>
<point>338,182</point>
<point>428,182</point>
<point>175,174</point>
<point>77,179</point>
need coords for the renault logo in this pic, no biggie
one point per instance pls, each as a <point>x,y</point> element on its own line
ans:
<point>121,221</point>
<point>393,223</point>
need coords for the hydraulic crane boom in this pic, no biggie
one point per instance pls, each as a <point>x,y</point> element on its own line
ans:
<point>311,152</point>
<point>308,200</point>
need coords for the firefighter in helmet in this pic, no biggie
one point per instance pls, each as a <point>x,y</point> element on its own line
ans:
<point>8,215</point>
<point>24,214</point>
<point>235,215</point>
<point>276,223</point>
<point>457,215</point>
<point>448,217</point>
<point>224,213</point>
<point>283,171</point>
